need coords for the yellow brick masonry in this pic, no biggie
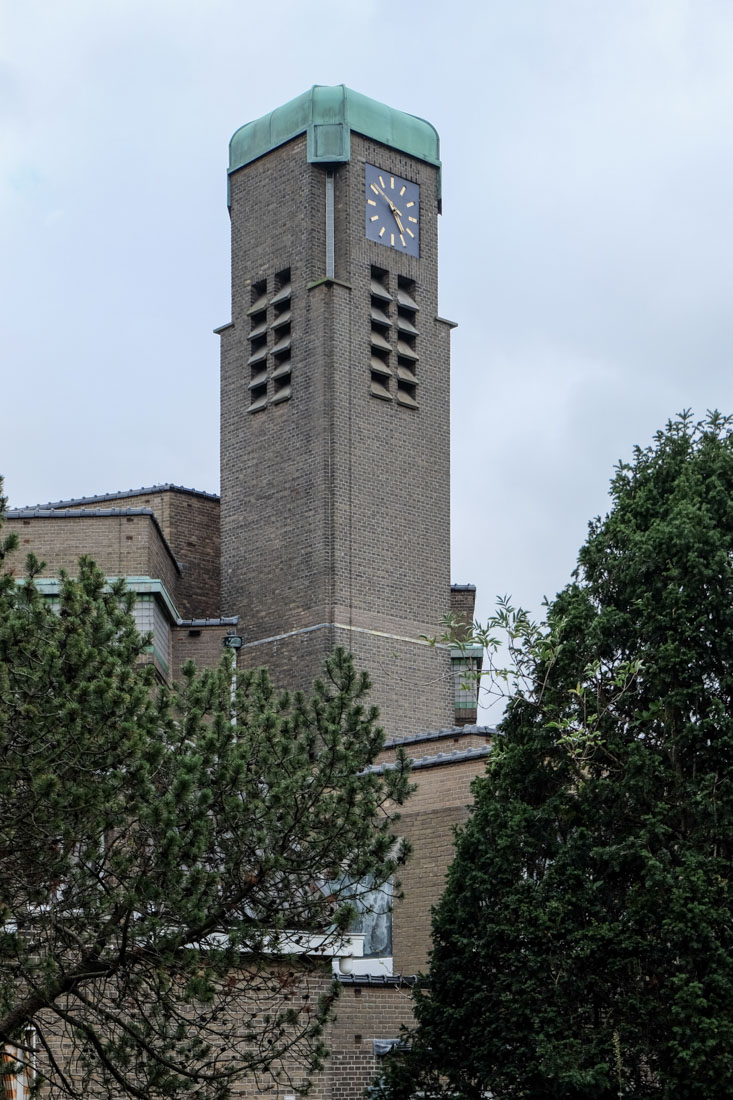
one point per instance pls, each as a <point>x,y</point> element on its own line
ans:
<point>440,802</point>
<point>189,521</point>
<point>122,545</point>
<point>190,524</point>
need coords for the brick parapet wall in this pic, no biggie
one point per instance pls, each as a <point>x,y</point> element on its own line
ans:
<point>462,607</point>
<point>121,545</point>
<point>449,740</point>
<point>202,644</point>
<point>194,536</point>
<point>190,524</point>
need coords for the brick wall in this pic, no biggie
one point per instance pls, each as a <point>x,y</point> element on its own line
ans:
<point>440,802</point>
<point>315,981</point>
<point>190,524</point>
<point>462,607</point>
<point>363,1013</point>
<point>201,644</point>
<point>407,675</point>
<point>335,505</point>
<point>441,741</point>
<point>122,546</point>
<point>194,536</point>
<point>275,534</point>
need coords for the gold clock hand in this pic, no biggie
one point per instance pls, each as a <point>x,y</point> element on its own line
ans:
<point>392,206</point>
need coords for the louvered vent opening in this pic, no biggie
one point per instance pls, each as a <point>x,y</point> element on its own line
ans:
<point>381,375</point>
<point>406,295</point>
<point>270,340</point>
<point>281,388</point>
<point>281,298</point>
<point>259,298</point>
<point>407,336</point>
<point>282,336</point>
<point>257,359</point>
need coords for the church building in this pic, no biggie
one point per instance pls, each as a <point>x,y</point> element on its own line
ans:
<point>333,523</point>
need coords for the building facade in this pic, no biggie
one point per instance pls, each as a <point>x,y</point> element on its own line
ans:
<point>335,403</point>
<point>333,525</point>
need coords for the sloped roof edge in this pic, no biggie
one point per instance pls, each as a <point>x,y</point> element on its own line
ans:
<point>438,735</point>
<point>438,760</point>
<point>168,487</point>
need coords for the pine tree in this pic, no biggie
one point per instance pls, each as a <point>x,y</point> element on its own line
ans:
<point>164,854</point>
<point>584,945</point>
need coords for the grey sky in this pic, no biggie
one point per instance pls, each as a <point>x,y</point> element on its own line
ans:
<point>585,242</point>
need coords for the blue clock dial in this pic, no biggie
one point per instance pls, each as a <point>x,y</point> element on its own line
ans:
<point>392,211</point>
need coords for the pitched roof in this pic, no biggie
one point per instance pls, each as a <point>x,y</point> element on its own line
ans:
<point>168,487</point>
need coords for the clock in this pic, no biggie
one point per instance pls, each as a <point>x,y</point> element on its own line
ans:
<point>392,211</point>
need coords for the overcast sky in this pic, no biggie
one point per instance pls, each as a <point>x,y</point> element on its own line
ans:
<point>586,238</point>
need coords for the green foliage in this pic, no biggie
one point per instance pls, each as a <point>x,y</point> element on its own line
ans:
<point>162,851</point>
<point>584,945</point>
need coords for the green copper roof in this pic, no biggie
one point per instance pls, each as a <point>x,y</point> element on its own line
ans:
<point>327,115</point>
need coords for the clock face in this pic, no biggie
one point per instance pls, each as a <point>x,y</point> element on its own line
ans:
<point>392,211</point>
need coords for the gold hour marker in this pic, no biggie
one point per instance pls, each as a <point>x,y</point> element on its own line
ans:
<point>409,231</point>
<point>374,218</point>
<point>409,217</point>
<point>404,243</point>
<point>381,231</point>
<point>374,188</point>
<point>409,204</point>
<point>403,189</point>
<point>391,238</point>
<point>381,181</point>
<point>391,182</point>
<point>371,202</point>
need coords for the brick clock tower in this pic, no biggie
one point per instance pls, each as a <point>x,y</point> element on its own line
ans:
<point>335,401</point>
